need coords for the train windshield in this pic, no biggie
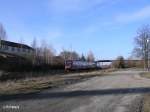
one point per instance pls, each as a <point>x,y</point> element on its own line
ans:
<point>68,63</point>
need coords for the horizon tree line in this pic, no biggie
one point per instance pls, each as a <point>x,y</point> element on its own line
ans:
<point>45,53</point>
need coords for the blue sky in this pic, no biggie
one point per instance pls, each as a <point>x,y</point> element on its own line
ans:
<point>106,27</point>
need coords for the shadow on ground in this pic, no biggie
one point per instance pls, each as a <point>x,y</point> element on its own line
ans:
<point>69,94</point>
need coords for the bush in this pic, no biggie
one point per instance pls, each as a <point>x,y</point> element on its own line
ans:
<point>119,62</point>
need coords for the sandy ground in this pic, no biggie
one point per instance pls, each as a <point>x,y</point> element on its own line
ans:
<point>120,92</point>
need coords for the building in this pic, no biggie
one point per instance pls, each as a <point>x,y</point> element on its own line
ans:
<point>13,48</point>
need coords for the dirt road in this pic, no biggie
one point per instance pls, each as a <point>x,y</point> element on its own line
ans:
<point>120,92</point>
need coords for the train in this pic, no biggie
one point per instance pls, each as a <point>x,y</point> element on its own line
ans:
<point>80,65</point>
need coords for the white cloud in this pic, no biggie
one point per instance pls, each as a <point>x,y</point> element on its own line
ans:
<point>134,16</point>
<point>62,6</point>
<point>99,26</point>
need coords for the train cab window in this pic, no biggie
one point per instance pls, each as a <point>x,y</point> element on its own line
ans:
<point>68,63</point>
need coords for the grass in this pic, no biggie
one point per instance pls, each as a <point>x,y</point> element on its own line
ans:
<point>145,74</point>
<point>146,99</point>
<point>24,86</point>
<point>146,103</point>
<point>36,84</point>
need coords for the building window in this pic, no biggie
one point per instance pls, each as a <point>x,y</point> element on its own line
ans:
<point>2,46</point>
<point>9,47</point>
<point>28,50</point>
<point>6,47</point>
<point>12,48</point>
<point>18,49</point>
<point>23,49</point>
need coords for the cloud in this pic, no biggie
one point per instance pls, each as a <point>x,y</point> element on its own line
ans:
<point>134,16</point>
<point>99,26</point>
<point>63,6</point>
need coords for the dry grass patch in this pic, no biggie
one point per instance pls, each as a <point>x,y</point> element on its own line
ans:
<point>146,75</point>
<point>146,99</point>
<point>36,84</point>
<point>146,103</point>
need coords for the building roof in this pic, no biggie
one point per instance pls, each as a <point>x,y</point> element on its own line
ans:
<point>13,44</point>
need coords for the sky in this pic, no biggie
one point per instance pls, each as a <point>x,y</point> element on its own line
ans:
<point>105,27</point>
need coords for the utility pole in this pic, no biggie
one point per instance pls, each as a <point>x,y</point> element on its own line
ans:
<point>0,43</point>
<point>147,41</point>
<point>71,52</point>
<point>64,54</point>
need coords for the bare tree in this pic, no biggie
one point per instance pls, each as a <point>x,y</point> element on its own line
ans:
<point>34,43</point>
<point>68,55</point>
<point>34,54</point>
<point>43,54</point>
<point>82,58</point>
<point>90,56</point>
<point>142,41</point>
<point>3,35</point>
<point>119,62</point>
<point>47,52</point>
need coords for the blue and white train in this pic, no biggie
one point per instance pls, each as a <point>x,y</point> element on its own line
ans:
<point>80,65</point>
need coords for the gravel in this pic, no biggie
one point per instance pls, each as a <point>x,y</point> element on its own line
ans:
<point>120,92</point>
